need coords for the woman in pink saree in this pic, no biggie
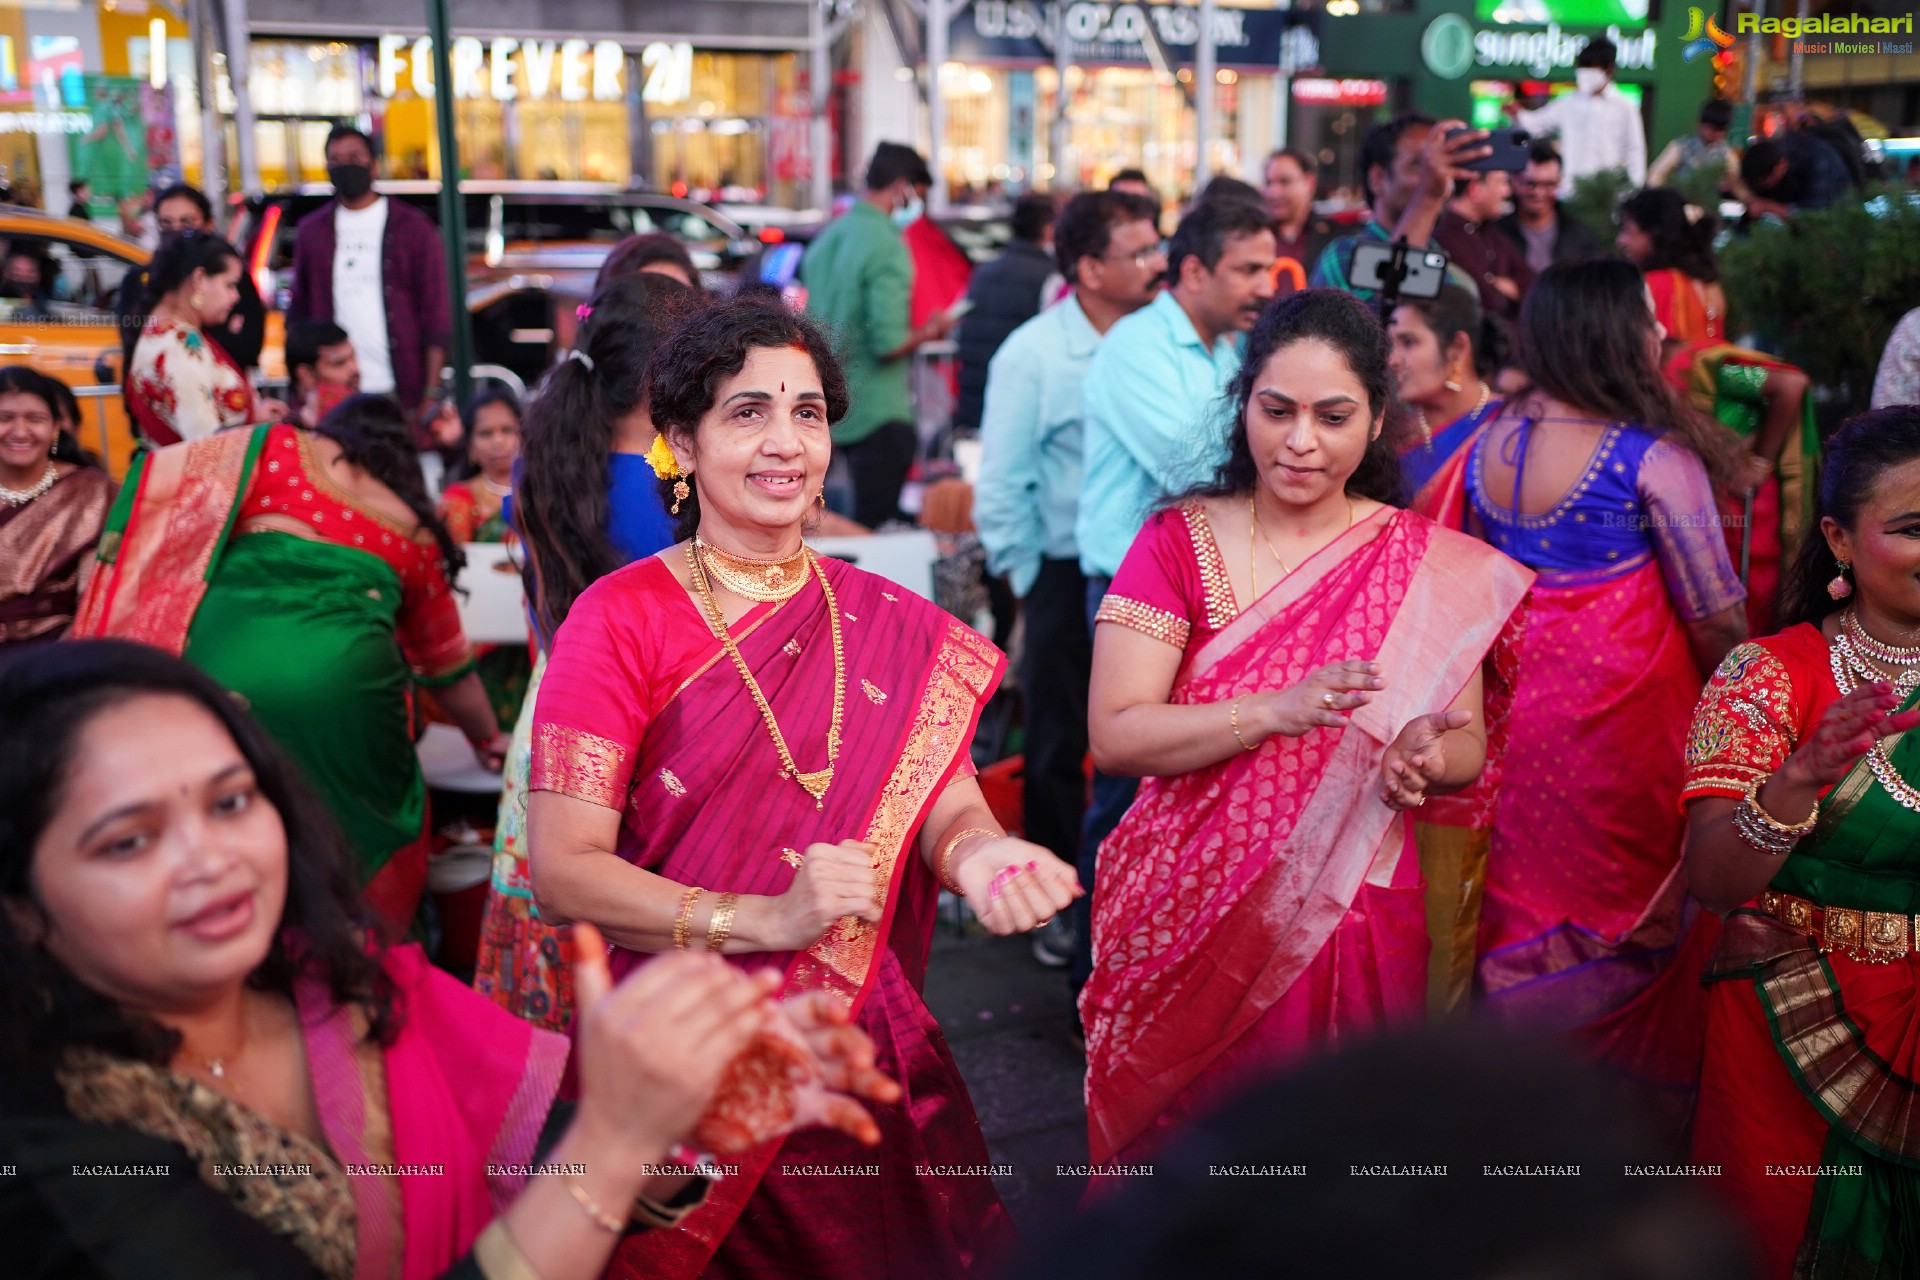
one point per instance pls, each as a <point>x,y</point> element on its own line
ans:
<point>1263,895</point>
<point>741,747</point>
<point>1601,479</point>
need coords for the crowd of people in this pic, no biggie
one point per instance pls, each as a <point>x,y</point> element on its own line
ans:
<point>1361,670</point>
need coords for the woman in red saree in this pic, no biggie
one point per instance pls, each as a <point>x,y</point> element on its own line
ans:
<point>1263,896</point>
<point>742,746</point>
<point>1672,241</point>
<point>205,999</point>
<point>1802,821</point>
<point>1602,480</point>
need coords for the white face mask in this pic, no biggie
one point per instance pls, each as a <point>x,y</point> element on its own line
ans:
<point>1589,79</point>
<point>909,212</point>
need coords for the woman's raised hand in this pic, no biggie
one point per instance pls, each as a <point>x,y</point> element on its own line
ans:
<point>653,1050</point>
<point>1846,732</point>
<point>835,880</point>
<point>1417,758</point>
<point>1013,886</point>
<point>1316,702</point>
<point>809,1067</point>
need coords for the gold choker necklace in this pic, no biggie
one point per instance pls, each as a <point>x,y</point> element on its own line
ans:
<point>760,580</point>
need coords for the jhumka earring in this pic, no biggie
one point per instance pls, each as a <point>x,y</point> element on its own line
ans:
<point>680,494</point>
<point>1840,588</point>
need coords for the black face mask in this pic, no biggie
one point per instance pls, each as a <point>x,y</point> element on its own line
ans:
<point>350,181</point>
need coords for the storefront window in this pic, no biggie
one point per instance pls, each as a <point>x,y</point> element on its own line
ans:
<point>707,119</point>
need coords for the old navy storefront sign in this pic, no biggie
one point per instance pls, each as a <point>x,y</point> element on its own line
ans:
<point>1023,31</point>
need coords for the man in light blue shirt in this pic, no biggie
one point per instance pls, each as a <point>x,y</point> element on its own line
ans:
<point>1154,416</point>
<point>1108,247</point>
<point>1156,426</point>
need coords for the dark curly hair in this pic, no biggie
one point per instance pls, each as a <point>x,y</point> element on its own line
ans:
<point>560,487</point>
<point>1686,246</point>
<point>1350,327</point>
<point>713,347</point>
<point>1865,448</point>
<point>48,696</point>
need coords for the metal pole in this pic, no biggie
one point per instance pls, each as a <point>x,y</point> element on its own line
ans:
<point>1203,84</point>
<point>1798,62</point>
<point>239,71</point>
<point>213,142</point>
<point>1060,131</point>
<point>819,76</point>
<point>453,216</point>
<point>937,101</point>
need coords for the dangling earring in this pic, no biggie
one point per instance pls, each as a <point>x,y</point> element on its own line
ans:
<point>822,495</point>
<point>1840,588</point>
<point>680,494</point>
<point>1452,383</point>
<point>195,299</point>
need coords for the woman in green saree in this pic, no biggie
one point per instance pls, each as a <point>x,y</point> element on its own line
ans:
<point>307,573</point>
<point>1803,825</point>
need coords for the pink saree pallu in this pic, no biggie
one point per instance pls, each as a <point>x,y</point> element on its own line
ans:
<point>1586,926</point>
<point>1251,910</point>
<point>708,806</point>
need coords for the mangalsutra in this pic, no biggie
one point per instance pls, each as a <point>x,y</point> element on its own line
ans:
<point>762,580</point>
<point>817,782</point>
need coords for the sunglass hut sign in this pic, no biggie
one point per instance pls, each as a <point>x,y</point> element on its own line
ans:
<point>1545,52</point>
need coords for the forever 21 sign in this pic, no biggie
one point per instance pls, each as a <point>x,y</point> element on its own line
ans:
<point>1023,31</point>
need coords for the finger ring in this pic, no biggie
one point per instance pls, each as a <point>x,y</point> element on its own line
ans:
<point>1327,698</point>
<point>1419,800</point>
<point>1044,923</point>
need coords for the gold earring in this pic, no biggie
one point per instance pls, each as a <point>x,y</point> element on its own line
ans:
<point>680,494</point>
<point>822,496</point>
<point>195,299</point>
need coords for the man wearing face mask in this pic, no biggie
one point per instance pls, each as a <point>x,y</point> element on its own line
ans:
<point>859,281</point>
<point>375,267</point>
<point>1599,128</point>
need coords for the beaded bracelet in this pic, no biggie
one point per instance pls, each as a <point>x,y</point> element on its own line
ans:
<point>601,1218</point>
<point>683,922</point>
<point>720,923</point>
<point>946,856</point>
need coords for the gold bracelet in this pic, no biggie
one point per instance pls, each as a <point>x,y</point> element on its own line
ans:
<point>683,922</point>
<point>720,923</point>
<point>1233,718</point>
<point>1791,830</point>
<point>601,1218</point>
<point>946,856</point>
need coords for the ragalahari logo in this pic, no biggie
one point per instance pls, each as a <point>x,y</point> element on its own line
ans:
<point>1703,36</point>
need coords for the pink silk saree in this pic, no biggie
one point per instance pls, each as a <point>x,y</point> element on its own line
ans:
<point>1252,909</point>
<point>467,1087</point>
<point>703,803</point>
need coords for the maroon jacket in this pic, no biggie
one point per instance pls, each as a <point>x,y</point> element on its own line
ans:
<point>1483,251</point>
<point>413,272</point>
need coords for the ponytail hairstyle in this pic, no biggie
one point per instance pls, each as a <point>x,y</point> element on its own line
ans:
<point>560,496</point>
<point>1456,311</point>
<point>1586,337</point>
<point>181,254</point>
<point>714,346</point>
<point>1682,235</point>
<point>1866,447</point>
<point>373,434</point>
<point>1350,327</point>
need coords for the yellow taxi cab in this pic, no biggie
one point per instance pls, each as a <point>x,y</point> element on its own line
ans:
<point>64,326</point>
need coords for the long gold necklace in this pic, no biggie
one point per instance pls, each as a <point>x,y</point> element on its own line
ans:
<point>1420,415</point>
<point>763,580</point>
<point>817,782</point>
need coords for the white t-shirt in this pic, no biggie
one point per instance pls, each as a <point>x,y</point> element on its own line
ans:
<point>1597,132</point>
<point>359,296</point>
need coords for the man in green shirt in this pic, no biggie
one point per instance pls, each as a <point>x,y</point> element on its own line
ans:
<point>859,280</point>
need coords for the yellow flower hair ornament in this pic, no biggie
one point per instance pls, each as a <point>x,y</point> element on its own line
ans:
<point>661,459</point>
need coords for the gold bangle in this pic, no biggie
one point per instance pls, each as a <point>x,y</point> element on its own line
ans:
<point>720,923</point>
<point>946,856</point>
<point>683,922</point>
<point>1792,830</point>
<point>1233,718</point>
<point>601,1218</point>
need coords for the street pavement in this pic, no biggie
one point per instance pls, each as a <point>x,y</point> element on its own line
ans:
<point>1006,1018</point>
